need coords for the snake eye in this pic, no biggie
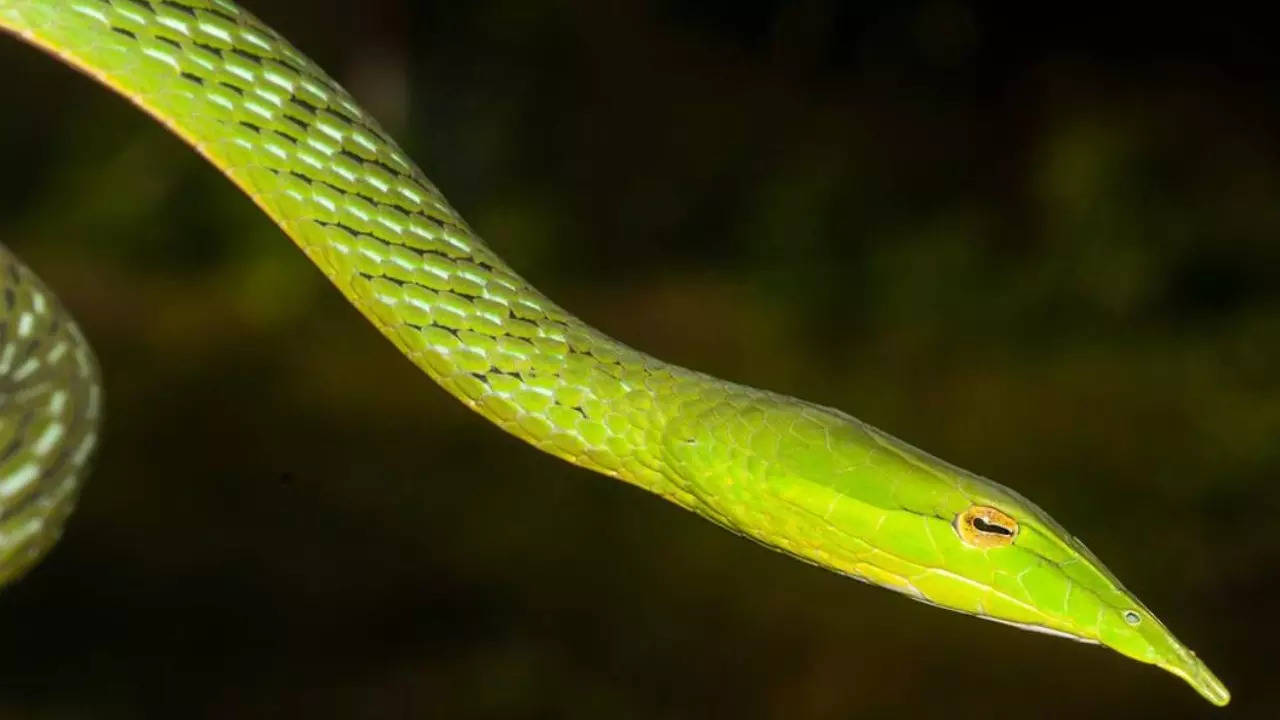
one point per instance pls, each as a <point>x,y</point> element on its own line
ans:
<point>985,527</point>
<point>1132,617</point>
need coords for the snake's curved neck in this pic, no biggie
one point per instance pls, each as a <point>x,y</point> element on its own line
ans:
<point>368,217</point>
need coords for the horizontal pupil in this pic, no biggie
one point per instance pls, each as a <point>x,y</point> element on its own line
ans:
<point>982,525</point>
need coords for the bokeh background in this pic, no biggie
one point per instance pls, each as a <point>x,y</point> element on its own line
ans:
<point>1043,247</point>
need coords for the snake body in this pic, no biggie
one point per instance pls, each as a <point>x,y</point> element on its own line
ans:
<point>50,403</point>
<point>798,477</point>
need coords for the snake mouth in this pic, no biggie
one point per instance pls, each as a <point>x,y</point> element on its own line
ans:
<point>1192,669</point>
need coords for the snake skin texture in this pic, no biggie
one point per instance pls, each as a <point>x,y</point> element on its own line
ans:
<point>50,406</point>
<point>803,479</point>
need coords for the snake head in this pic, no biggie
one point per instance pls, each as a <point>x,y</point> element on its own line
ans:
<point>990,552</point>
<point>881,511</point>
<point>1044,579</point>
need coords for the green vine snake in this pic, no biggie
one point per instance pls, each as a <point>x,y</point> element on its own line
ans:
<point>804,479</point>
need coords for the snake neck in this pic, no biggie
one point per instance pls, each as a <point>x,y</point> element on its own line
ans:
<point>351,199</point>
<point>340,187</point>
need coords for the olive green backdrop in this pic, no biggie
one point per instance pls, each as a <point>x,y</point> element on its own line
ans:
<point>1044,248</point>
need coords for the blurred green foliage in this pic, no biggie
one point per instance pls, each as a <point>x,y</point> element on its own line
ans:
<point>1047,253</point>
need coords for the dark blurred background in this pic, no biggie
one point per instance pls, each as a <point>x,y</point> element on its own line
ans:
<point>1041,246</point>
